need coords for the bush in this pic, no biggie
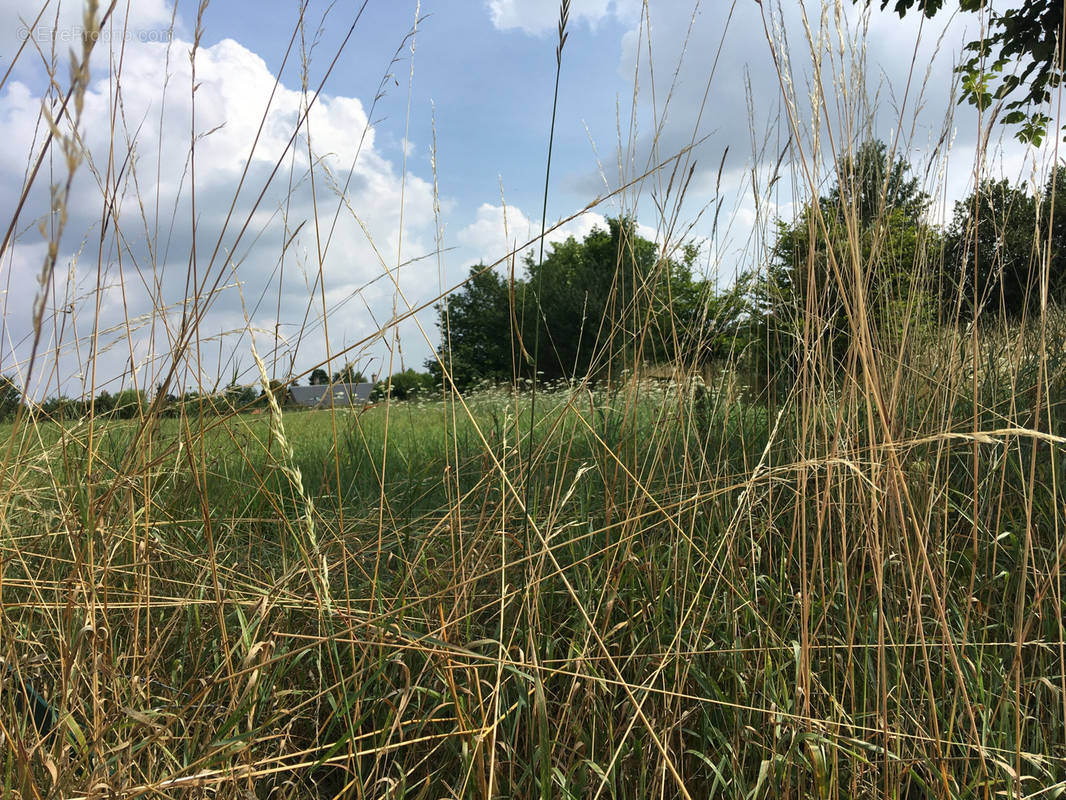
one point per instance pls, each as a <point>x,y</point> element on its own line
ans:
<point>405,385</point>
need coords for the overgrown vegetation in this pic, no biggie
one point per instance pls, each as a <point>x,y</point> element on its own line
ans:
<point>610,300</point>
<point>798,537</point>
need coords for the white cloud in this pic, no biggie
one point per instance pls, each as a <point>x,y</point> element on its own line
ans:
<point>883,77</point>
<point>147,254</point>
<point>496,231</point>
<point>537,17</point>
<point>62,23</point>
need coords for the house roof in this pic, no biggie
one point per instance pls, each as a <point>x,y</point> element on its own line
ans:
<point>323,395</point>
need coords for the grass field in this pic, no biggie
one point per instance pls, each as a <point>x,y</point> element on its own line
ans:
<point>704,591</point>
<point>833,577</point>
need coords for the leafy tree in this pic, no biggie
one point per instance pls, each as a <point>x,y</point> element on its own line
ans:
<point>1031,36</point>
<point>582,299</point>
<point>237,397</point>
<point>63,407</point>
<point>567,301</point>
<point>715,326</point>
<point>476,331</point>
<point>348,375</point>
<point>10,397</point>
<point>1053,217</point>
<point>869,183</point>
<point>319,377</point>
<point>405,385</point>
<point>609,299</point>
<point>105,402</point>
<point>989,252</point>
<point>130,403</point>
<point>864,246</point>
<point>993,261</point>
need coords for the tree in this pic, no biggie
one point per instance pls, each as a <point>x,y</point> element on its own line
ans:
<point>405,385</point>
<point>319,377</point>
<point>862,247</point>
<point>1030,35</point>
<point>580,298</point>
<point>348,375</point>
<point>237,397</point>
<point>1053,216</point>
<point>993,260</point>
<point>478,342</point>
<point>714,326</point>
<point>989,251</point>
<point>611,299</point>
<point>10,397</point>
<point>105,402</point>
<point>869,183</point>
<point>129,404</point>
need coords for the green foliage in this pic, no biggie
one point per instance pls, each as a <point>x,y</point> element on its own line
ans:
<point>615,300</point>
<point>10,397</point>
<point>319,377</point>
<point>712,327</point>
<point>593,300</point>
<point>405,385</point>
<point>607,302</point>
<point>477,340</point>
<point>993,260</point>
<point>130,404</point>
<point>64,408</point>
<point>240,397</point>
<point>859,253</point>
<point>134,403</point>
<point>1019,62</point>
<point>126,404</point>
<point>280,391</point>
<point>869,183</point>
<point>347,375</point>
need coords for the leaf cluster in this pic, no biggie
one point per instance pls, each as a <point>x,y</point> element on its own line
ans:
<point>862,263</point>
<point>1002,244</point>
<point>1019,62</point>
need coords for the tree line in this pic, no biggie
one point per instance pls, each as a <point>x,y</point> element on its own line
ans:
<point>586,310</point>
<point>407,384</point>
<point>131,403</point>
<point>617,300</point>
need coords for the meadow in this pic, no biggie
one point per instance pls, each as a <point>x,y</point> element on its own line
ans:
<point>321,601</point>
<point>833,572</point>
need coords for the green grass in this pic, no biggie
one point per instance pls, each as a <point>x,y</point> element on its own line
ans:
<point>839,579</point>
<point>688,589</point>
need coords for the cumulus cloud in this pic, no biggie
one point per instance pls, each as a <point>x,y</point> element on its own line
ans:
<point>283,226</point>
<point>496,231</point>
<point>538,17</point>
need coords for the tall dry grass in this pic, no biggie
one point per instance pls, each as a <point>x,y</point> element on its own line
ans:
<point>846,584</point>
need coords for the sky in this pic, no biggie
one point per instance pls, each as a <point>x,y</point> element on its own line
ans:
<point>324,172</point>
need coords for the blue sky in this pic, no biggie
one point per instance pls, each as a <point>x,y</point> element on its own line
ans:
<point>358,195</point>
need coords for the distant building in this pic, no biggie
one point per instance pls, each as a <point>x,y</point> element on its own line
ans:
<point>336,394</point>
